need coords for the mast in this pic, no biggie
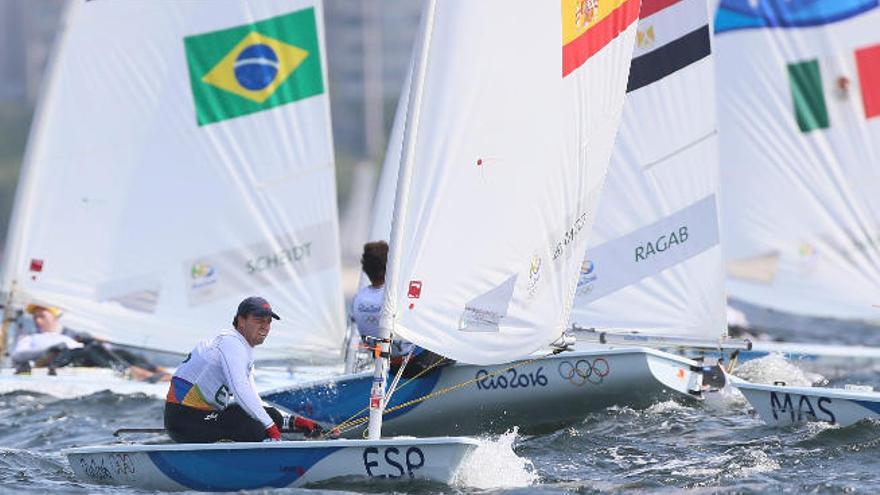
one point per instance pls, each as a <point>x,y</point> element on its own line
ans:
<point>389,310</point>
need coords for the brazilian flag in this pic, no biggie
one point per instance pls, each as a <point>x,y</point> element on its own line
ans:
<point>250,68</point>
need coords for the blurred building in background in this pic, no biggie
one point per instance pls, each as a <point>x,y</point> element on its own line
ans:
<point>368,50</point>
<point>27,31</point>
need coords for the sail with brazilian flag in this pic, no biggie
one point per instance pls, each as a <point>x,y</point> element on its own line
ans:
<point>182,160</point>
<point>253,67</point>
<point>799,127</point>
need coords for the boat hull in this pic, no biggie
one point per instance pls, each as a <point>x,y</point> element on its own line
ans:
<point>72,382</point>
<point>536,395</point>
<point>780,405</point>
<point>246,466</point>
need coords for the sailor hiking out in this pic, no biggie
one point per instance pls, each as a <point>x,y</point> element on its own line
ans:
<point>54,346</point>
<point>198,407</point>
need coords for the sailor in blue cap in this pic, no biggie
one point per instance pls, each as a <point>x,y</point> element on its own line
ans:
<point>198,408</point>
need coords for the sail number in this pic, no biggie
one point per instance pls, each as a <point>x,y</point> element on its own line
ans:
<point>804,409</point>
<point>511,379</point>
<point>96,468</point>
<point>393,460</point>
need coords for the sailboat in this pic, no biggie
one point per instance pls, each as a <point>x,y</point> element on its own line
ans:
<point>799,145</point>
<point>654,270</point>
<point>663,179</point>
<point>551,128</point>
<point>156,193</point>
<point>798,89</point>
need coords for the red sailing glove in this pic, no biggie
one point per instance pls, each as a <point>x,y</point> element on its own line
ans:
<point>273,434</point>
<point>308,427</point>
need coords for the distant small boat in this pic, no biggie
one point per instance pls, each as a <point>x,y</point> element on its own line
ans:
<point>72,382</point>
<point>156,193</point>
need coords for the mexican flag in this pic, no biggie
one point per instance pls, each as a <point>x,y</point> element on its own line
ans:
<point>819,86</point>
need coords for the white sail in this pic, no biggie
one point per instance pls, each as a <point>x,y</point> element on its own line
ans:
<point>799,101</point>
<point>654,262</point>
<point>182,159</point>
<point>518,110</point>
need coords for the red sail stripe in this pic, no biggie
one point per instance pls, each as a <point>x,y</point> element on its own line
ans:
<point>579,50</point>
<point>868,64</point>
<point>650,7</point>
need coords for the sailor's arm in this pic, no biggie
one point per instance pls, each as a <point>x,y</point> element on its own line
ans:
<point>24,351</point>
<point>235,368</point>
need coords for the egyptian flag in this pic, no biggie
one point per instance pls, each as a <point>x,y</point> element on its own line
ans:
<point>672,34</point>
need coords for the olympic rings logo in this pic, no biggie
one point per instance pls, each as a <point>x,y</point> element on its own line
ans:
<point>584,371</point>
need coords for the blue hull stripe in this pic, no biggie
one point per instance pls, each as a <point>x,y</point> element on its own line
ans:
<point>231,470</point>
<point>735,15</point>
<point>869,405</point>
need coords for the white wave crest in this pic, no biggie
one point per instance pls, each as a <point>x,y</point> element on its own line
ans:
<point>775,368</point>
<point>494,464</point>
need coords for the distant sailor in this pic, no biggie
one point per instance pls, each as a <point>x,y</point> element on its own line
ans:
<point>198,407</point>
<point>54,346</point>
<point>366,308</point>
<point>43,346</point>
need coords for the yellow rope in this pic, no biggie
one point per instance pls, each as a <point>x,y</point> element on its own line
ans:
<point>733,358</point>
<point>352,423</point>
<point>345,426</point>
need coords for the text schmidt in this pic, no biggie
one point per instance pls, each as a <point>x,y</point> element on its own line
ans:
<point>281,258</point>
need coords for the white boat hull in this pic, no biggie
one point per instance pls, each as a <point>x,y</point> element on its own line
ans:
<point>248,466</point>
<point>72,382</point>
<point>780,405</point>
<point>77,382</point>
<point>538,396</point>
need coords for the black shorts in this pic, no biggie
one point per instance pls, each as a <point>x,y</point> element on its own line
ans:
<point>189,425</point>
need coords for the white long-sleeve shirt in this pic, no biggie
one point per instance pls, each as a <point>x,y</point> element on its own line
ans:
<point>35,345</point>
<point>217,370</point>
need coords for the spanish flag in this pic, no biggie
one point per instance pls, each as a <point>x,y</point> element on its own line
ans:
<point>589,25</point>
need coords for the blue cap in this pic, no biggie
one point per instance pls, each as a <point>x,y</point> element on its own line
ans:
<point>256,306</point>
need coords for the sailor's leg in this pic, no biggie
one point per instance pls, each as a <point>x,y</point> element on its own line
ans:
<point>239,426</point>
<point>189,425</point>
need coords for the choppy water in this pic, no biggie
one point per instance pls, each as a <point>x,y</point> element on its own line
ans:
<point>717,447</point>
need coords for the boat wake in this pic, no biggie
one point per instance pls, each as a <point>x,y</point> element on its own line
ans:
<point>775,368</point>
